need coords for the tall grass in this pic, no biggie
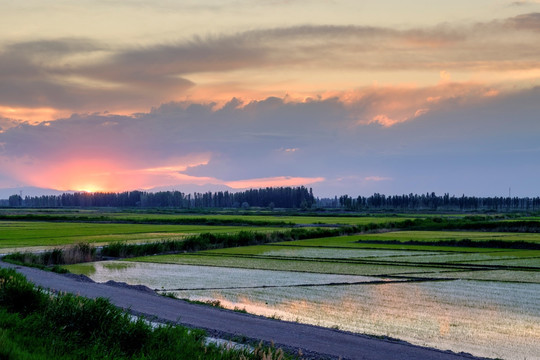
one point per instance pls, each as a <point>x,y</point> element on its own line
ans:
<point>35,325</point>
<point>78,253</point>
<point>207,241</point>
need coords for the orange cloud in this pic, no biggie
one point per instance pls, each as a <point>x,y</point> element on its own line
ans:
<point>391,105</point>
<point>384,120</point>
<point>180,165</point>
<point>32,115</point>
<point>445,76</point>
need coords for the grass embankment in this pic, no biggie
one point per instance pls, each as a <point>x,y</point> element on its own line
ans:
<point>35,325</point>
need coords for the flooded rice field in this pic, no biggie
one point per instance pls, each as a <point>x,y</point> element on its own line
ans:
<point>485,318</point>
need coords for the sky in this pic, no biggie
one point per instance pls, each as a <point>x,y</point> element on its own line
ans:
<point>343,96</point>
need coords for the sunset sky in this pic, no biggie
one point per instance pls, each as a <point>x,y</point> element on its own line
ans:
<point>344,96</point>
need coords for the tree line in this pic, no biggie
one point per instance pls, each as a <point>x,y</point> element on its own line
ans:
<point>433,202</point>
<point>279,197</point>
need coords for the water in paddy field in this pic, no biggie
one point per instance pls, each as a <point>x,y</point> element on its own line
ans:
<point>484,318</point>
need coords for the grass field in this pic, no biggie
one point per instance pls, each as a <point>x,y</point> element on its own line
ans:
<point>361,220</point>
<point>278,219</point>
<point>20,234</point>
<point>415,240</point>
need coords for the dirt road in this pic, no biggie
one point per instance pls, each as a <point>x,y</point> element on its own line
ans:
<point>320,342</point>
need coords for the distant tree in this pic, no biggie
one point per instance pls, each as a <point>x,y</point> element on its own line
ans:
<point>15,200</point>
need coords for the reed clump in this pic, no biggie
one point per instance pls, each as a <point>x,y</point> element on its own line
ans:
<point>51,260</point>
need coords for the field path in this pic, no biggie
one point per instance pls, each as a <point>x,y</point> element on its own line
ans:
<point>315,341</point>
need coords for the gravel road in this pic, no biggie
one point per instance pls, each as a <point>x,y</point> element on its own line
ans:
<point>314,341</point>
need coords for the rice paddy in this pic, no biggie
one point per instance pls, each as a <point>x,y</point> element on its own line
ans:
<point>491,319</point>
<point>323,267</point>
<point>174,278</point>
<point>409,285</point>
<point>498,318</point>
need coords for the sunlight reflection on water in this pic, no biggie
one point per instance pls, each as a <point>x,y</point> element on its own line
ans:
<point>483,318</point>
<point>492,319</point>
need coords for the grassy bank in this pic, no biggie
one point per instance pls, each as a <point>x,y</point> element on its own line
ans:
<point>35,325</point>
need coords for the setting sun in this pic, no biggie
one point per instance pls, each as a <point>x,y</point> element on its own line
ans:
<point>89,189</point>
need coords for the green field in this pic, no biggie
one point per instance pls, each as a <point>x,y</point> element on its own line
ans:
<point>405,236</point>
<point>19,234</point>
<point>431,238</point>
<point>278,219</point>
<point>337,220</point>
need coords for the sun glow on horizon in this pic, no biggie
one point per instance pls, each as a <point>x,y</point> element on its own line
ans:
<point>89,189</point>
